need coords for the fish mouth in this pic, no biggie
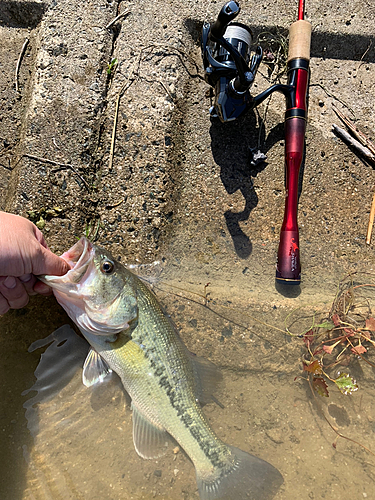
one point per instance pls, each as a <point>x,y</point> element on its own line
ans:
<point>79,258</point>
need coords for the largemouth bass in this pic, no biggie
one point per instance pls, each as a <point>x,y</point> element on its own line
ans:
<point>130,334</point>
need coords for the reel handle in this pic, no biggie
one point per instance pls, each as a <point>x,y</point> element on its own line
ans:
<point>226,15</point>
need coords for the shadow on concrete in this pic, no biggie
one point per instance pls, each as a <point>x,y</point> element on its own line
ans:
<point>231,144</point>
<point>328,45</point>
<point>356,47</point>
<point>18,14</point>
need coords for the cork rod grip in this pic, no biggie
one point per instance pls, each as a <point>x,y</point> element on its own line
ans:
<point>299,40</point>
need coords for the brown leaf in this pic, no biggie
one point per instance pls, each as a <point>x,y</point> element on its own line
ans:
<point>365,334</point>
<point>313,367</point>
<point>320,386</point>
<point>358,349</point>
<point>328,348</point>
<point>308,338</point>
<point>370,324</point>
<point>336,320</point>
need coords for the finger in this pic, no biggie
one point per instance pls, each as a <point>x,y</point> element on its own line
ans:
<point>28,281</point>
<point>14,292</point>
<point>4,306</point>
<point>50,264</point>
<point>42,288</point>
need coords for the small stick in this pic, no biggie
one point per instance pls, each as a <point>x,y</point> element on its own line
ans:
<point>368,147</point>
<point>355,130</point>
<point>371,221</point>
<point>19,62</point>
<point>127,11</point>
<point>57,164</point>
<point>356,144</point>
<point>131,78</point>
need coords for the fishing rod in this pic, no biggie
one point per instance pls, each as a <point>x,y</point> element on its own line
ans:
<point>230,69</point>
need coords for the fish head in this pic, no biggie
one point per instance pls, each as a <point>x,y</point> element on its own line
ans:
<point>98,293</point>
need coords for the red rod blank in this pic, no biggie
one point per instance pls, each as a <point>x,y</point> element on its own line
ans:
<point>301,10</point>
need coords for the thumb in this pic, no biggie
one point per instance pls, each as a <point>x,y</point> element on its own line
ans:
<point>51,264</point>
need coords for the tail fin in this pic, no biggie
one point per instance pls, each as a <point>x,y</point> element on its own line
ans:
<point>250,478</point>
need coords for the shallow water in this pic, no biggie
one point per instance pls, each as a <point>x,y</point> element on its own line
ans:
<point>84,446</point>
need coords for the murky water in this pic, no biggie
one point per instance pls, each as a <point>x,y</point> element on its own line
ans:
<point>84,446</point>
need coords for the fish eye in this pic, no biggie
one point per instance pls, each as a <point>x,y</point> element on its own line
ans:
<point>107,267</point>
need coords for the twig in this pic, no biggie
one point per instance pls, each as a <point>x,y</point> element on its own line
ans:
<point>363,56</point>
<point>57,164</point>
<point>367,147</point>
<point>19,62</point>
<point>356,144</point>
<point>123,89</point>
<point>109,207</point>
<point>371,221</point>
<point>355,130</point>
<point>127,11</point>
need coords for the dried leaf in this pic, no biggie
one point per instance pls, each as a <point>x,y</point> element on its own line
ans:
<point>313,367</point>
<point>336,320</point>
<point>346,383</point>
<point>308,338</point>
<point>370,324</point>
<point>358,349</point>
<point>320,386</point>
<point>328,348</point>
<point>365,334</point>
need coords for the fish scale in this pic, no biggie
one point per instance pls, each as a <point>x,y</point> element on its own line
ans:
<point>155,348</point>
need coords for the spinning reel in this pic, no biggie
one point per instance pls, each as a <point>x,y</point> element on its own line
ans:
<point>229,67</point>
<point>226,58</point>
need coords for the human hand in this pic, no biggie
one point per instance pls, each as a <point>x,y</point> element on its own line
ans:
<point>24,255</point>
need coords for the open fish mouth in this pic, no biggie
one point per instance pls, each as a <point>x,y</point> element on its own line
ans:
<point>94,300</point>
<point>79,258</point>
<point>78,254</point>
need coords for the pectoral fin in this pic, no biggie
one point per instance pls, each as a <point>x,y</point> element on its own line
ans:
<point>95,369</point>
<point>150,441</point>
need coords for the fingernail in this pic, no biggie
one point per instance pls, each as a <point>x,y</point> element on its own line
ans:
<point>25,278</point>
<point>10,282</point>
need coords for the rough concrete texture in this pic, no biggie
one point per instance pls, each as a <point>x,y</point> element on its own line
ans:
<point>180,188</point>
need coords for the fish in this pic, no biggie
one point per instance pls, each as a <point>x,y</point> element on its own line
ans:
<point>131,335</point>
